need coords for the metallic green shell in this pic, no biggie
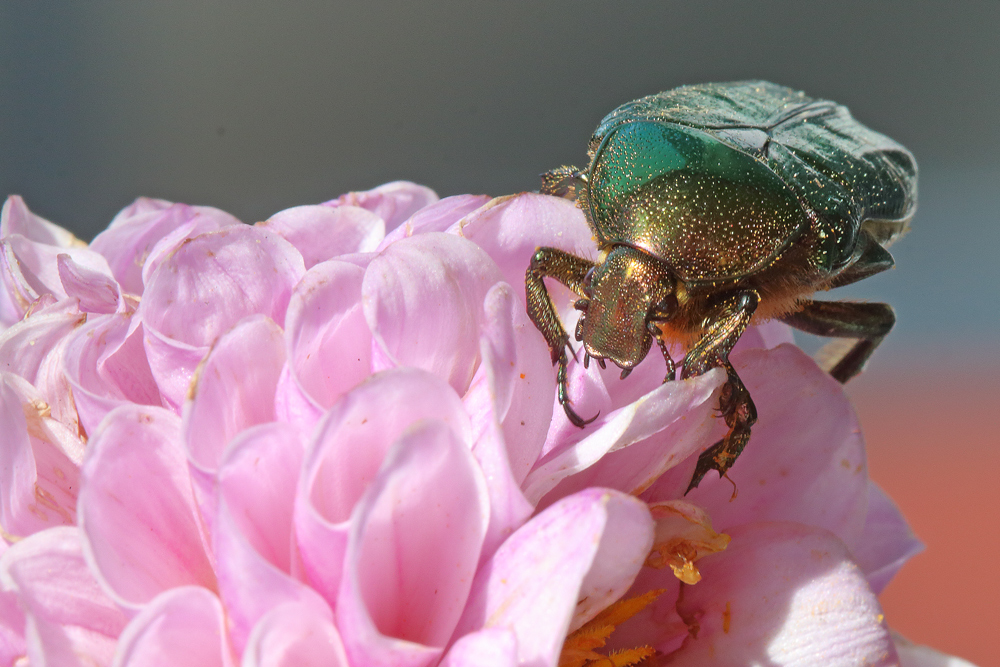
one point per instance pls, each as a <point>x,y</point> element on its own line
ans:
<point>718,179</point>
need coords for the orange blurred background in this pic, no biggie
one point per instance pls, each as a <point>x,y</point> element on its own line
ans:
<point>934,446</point>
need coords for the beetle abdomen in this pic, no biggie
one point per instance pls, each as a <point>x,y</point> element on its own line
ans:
<point>709,211</point>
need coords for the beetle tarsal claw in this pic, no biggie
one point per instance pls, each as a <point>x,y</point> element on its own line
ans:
<point>600,362</point>
<point>586,360</point>
<point>625,373</point>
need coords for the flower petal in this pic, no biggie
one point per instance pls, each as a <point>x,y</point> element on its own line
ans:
<point>805,461</point>
<point>16,218</point>
<point>136,508</point>
<point>12,627</point>
<point>783,594</point>
<point>253,530</point>
<point>493,647</point>
<point>347,450</point>
<point>887,541</point>
<point>295,635</point>
<point>327,338</point>
<point>323,232</point>
<point>423,300</point>
<point>105,363</point>
<point>686,403</point>
<point>393,202</point>
<point>203,289</point>
<point>39,459</point>
<point>413,550</point>
<point>181,626</point>
<point>233,389</point>
<point>559,570</point>
<point>70,620</point>
<point>916,655</point>
<point>437,217</point>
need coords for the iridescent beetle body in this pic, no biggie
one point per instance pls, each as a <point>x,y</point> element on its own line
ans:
<point>718,204</point>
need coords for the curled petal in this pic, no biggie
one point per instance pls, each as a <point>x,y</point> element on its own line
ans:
<point>393,202</point>
<point>16,218</point>
<point>783,594</point>
<point>887,541</point>
<point>323,232</point>
<point>137,510</point>
<point>413,550</point>
<point>105,363</point>
<point>69,619</point>
<point>493,647</point>
<point>686,403</point>
<point>181,626</point>
<point>96,291</point>
<point>423,300</point>
<point>916,655</point>
<point>559,570</point>
<point>683,535</point>
<point>295,634</point>
<point>203,289</point>
<point>805,461</point>
<point>233,388</point>
<point>510,229</point>
<point>327,338</point>
<point>347,451</point>
<point>39,459</point>
<point>437,217</point>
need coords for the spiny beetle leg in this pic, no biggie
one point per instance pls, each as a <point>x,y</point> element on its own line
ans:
<point>730,318</point>
<point>571,271</point>
<point>657,335</point>
<point>869,323</point>
<point>740,413</point>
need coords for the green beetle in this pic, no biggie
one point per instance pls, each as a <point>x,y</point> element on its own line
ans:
<point>716,205</point>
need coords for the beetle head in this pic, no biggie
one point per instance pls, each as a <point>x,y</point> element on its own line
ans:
<point>626,292</point>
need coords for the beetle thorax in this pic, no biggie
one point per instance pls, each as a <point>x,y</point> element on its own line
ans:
<point>627,292</point>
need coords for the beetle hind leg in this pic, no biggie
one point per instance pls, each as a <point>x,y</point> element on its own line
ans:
<point>867,323</point>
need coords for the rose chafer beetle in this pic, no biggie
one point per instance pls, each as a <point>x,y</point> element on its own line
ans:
<point>716,205</point>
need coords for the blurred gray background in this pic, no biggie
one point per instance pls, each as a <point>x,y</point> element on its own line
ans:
<point>257,106</point>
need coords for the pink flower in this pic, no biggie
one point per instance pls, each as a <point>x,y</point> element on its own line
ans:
<point>330,438</point>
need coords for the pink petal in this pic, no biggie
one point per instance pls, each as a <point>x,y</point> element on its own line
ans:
<point>321,232</point>
<point>70,620</point>
<point>34,349</point>
<point>519,377</point>
<point>510,229</point>
<point>203,289</point>
<point>887,541</point>
<point>15,218</point>
<point>423,300</point>
<point>686,403</point>
<point>783,594</point>
<point>253,531</point>
<point>233,389</point>
<point>437,217</point>
<point>39,459</point>
<point>292,404</point>
<point>327,338</point>
<point>413,550</point>
<point>97,291</point>
<point>12,627</point>
<point>393,202</point>
<point>136,509</point>
<point>346,452</point>
<point>805,461</point>
<point>197,220</point>
<point>295,635</point>
<point>559,570</point>
<point>495,647</point>
<point>181,626</point>
<point>105,363</point>
<point>916,655</point>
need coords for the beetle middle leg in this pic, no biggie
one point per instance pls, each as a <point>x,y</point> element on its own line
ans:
<point>571,271</point>
<point>869,323</point>
<point>729,319</point>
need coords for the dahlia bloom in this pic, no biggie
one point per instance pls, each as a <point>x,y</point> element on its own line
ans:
<point>332,438</point>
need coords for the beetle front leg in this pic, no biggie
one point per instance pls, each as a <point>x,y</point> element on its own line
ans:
<point>571,271</point>
<point>729,320</point>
